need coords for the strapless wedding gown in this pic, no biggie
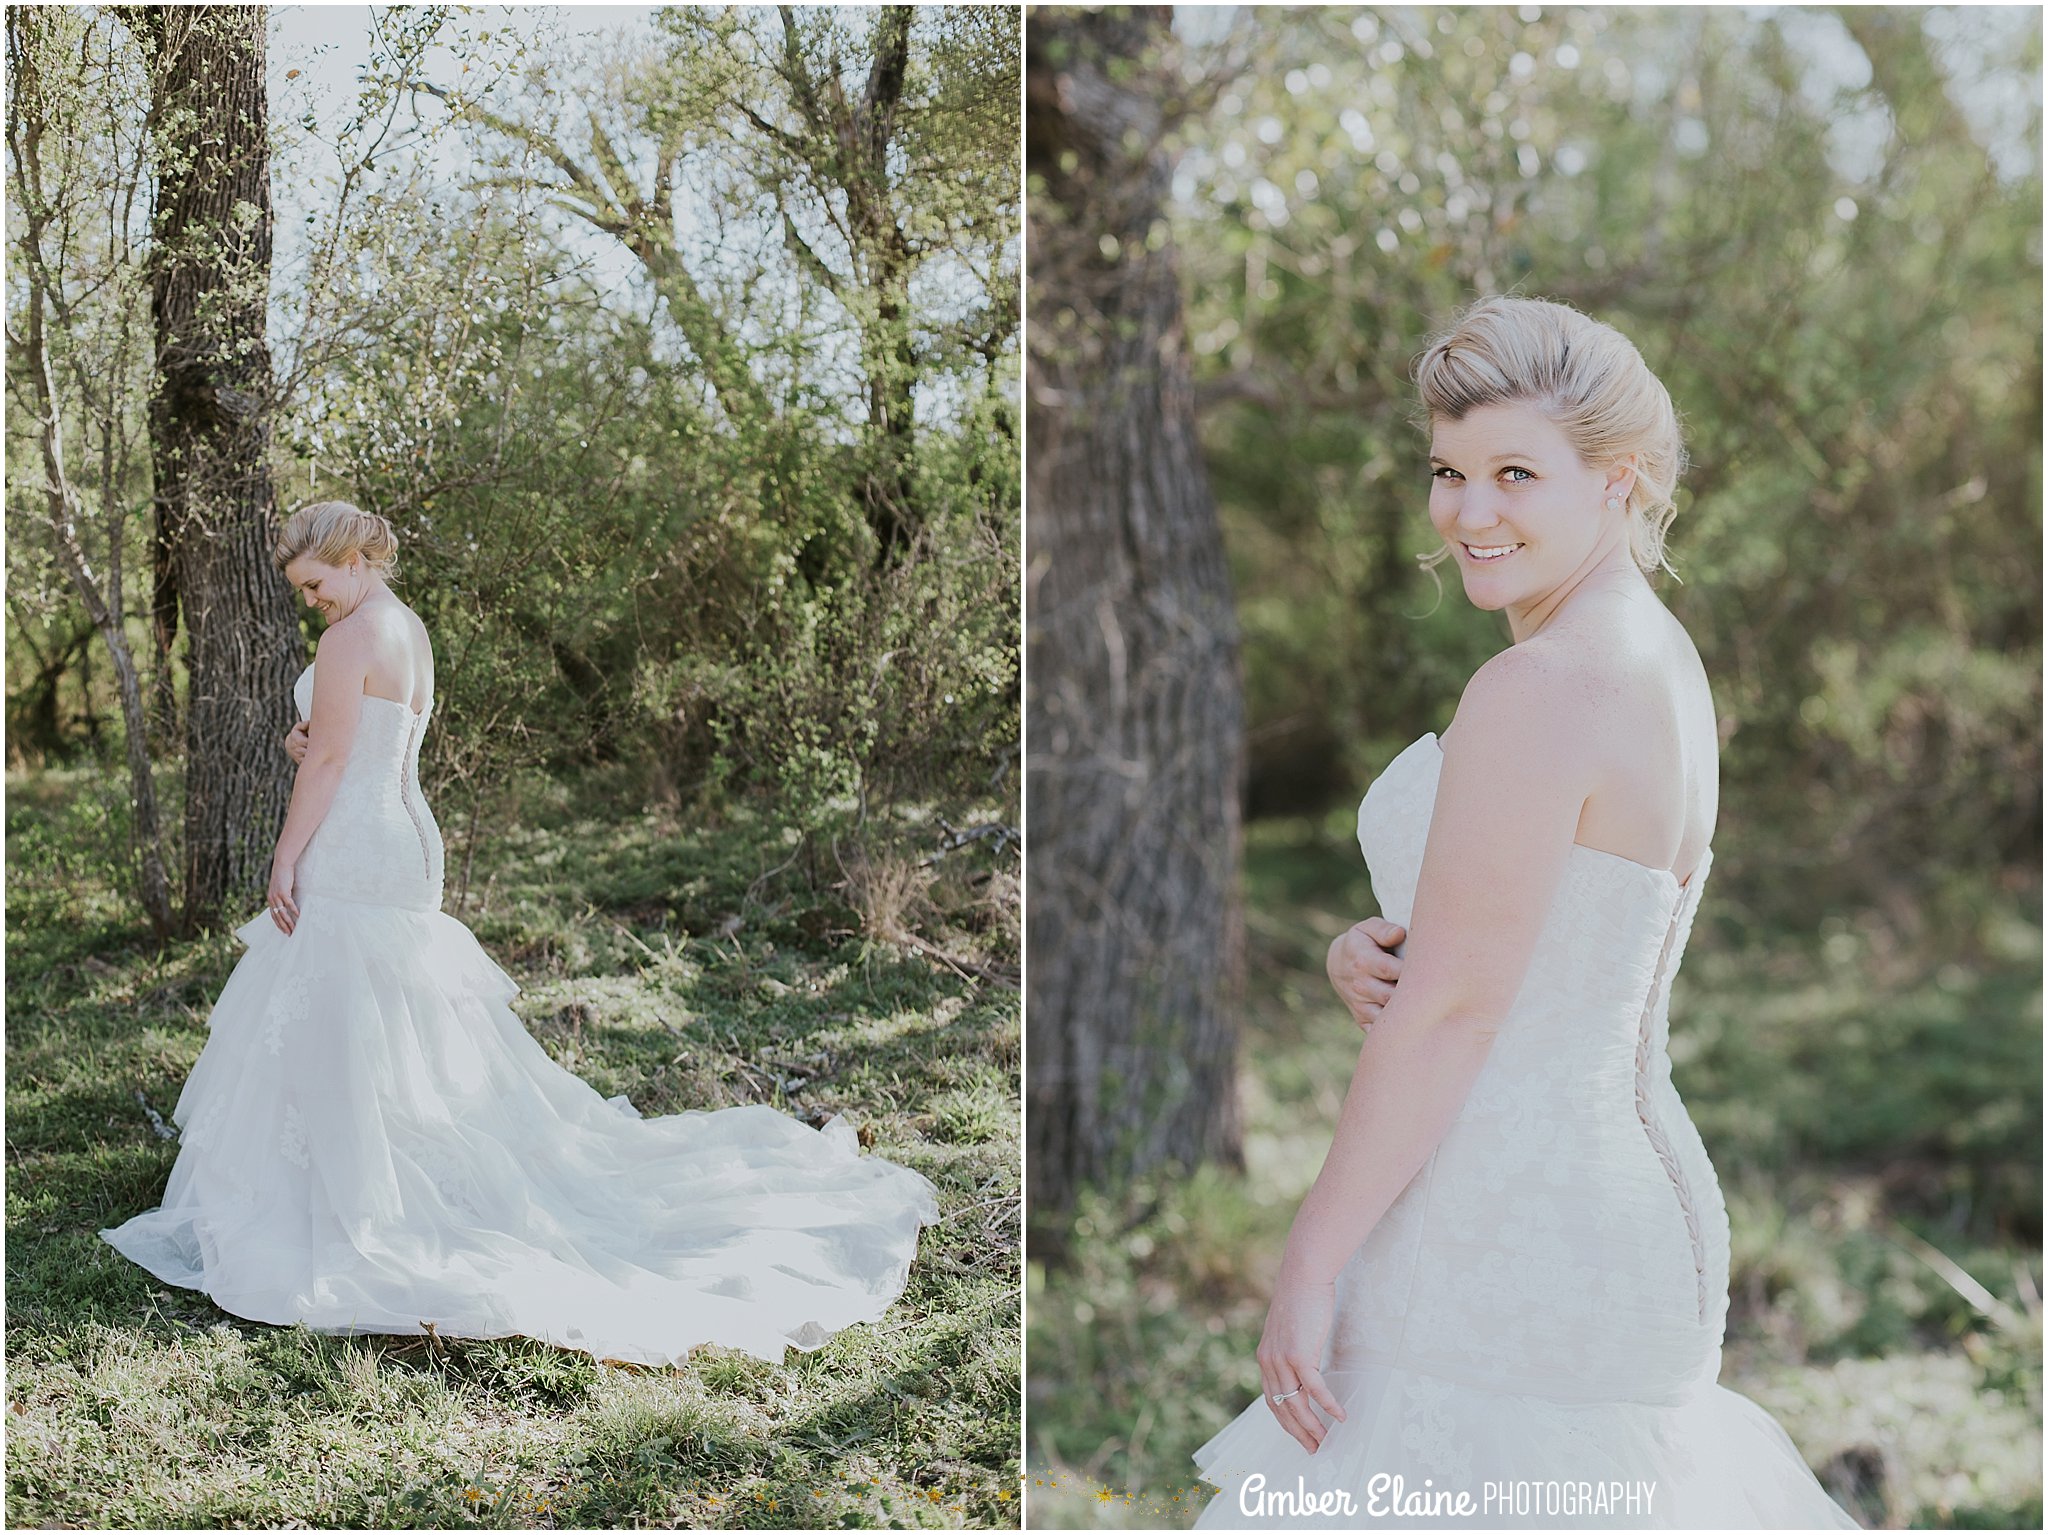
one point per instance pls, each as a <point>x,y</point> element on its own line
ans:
<point>1536,1323</point>
<point>371,1141</point>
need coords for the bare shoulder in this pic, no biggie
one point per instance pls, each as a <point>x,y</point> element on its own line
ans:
<point>411,647</point>
<point>373,623</point>
<point>403,621</point>
<point>1538,696</point>
<point>351,640</point>
<point>1655,683</point>
<point>416,629</point>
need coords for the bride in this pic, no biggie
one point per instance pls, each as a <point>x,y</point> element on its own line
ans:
<point>370,1140</point>
<point>1502,1302</point>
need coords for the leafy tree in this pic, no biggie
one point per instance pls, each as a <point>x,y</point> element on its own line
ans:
<point>638,516</point>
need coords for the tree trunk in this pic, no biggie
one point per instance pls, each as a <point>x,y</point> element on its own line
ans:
<point>891,361</point>
<point>848,144</point>
<point>163,626</point>
<point>889,489</point>
<point>209,423</point>
<point>1135,708</point>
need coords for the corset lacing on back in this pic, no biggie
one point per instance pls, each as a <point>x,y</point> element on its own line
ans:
<point>1651,1127</point>
<point>408,786</point>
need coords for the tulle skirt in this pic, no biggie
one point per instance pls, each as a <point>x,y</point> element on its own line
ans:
<point>371,1141</point>
<point>1418,1450</point>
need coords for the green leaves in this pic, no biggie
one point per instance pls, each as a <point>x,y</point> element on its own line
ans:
<point>1860,394</point>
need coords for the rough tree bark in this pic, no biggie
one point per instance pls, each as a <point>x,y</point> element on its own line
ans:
<point>210,423</point>
<point>1134,709</point>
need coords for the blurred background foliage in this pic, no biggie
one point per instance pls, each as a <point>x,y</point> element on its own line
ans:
<point>1822,228</point>
<point>1838,279</point>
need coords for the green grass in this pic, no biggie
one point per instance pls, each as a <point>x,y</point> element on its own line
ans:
<point>1874,1117</point>
<point>691,965</point>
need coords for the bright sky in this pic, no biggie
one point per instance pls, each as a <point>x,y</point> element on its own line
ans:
<point>329,45</point>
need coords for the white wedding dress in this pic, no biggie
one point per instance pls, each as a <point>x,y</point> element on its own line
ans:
<point>1537,1320</point>
<point>371,1141</point>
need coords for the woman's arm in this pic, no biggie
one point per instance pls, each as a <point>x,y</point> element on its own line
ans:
<point>1511,788</point>
<point>337,710</point>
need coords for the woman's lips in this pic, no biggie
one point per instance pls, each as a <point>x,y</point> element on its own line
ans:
<point>1488,554</point>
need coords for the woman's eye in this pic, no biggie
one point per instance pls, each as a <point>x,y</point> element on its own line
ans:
<point>1517,469</point>
<point>1440,472</point>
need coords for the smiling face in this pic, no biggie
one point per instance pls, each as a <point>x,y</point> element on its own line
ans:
<point>1524,516</point>
<point>323,586</point>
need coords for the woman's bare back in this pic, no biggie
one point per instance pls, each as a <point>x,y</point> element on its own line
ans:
<point>402,657</point>
<point>1659,728</point>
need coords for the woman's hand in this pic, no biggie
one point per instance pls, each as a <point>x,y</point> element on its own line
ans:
<point>1363,968</point>
<point>1290,1358</point>
<point>284,911</point>
<point>296,740</point>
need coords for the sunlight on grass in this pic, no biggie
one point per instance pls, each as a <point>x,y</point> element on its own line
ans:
<point>654,960</point>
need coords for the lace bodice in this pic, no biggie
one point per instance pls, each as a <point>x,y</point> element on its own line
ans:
<point>379,841</point>
<point>1569,1225</point>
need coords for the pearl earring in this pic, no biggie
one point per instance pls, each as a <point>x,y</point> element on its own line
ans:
<point>1614,503</point>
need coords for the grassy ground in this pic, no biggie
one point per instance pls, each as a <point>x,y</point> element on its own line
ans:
<point>1875,1122</point>
<point>690,965</point>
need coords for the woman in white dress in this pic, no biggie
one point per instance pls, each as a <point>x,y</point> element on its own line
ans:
<point>1502,1302</point>
<point>370,1140</point>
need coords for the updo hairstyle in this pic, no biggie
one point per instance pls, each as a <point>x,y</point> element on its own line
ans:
<point>1584,375</point>
<point>332,532</point>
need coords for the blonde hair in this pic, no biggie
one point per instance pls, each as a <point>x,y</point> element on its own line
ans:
<point>1586,376</point>
<point>332,531</point>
